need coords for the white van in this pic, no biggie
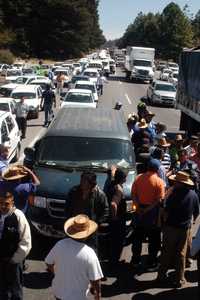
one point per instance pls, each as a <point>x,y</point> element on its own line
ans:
<point>10,135</point>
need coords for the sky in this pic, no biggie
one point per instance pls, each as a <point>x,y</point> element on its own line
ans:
<point>116,15</point>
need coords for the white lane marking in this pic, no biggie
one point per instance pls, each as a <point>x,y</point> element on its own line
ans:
<point>128,99</point>
<point>32,143</point>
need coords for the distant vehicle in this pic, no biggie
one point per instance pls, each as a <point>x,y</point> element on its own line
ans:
<point>42,83</point>
<point>162,93</point>
<point>25,79</point>
<point>188,92</point>
<point>112,66</point>
<point>6,90</point>
<point>139,63</point>
<point>9,135</point>
<point>173,66</point>
<point>77,68</point>
<point>32,95</point>
<point>79,98</point>
<point>173,78</point>
<point>106,66</point>
<point>18,65</point>
<point>7,104</point>
<point>3,69</point>
<point>13,72</point>
<point>79,78</point>
<point>64,72</point>
<point>95,64</point>
<point>165,74</point>
<point>28,71</point>
<point>93,74</point>
<point>161,65</point>
<point>88,85</point>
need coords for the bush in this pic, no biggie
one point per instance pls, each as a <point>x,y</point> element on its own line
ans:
<point>6,57</point>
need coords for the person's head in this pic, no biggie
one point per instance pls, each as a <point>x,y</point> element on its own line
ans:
<point>88,180</point>
<point>4,151</point>
<point>181,180</point>
<point>158,153</point>
<point>149,116</point>
<point>153,165</point>
<point>22,99</point>
<point>120,176</point>
<point>163,144</point>
<point>6,202</point>
<point>179,141</point>
<point>160,127</point>
<point>48,87</point>
<point>131,122</point>
<point>183,155</point>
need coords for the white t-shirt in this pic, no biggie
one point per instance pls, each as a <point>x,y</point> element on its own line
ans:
<point>75,264</point>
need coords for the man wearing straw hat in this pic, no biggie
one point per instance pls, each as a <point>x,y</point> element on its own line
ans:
<point>180,207</point>
<point>74,264</point>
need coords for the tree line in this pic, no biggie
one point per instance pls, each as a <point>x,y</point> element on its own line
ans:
<point>57,29</point>
<point>169,32</point>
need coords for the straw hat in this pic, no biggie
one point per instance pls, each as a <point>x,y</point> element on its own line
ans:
<point>14,173</point>
<point>163,143</point>
<point>182,177</point>
<point>142,124</point>
<point>178,137</point>
<point>80,227</point>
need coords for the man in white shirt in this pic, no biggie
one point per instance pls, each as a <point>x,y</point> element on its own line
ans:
<point>75,265</point>
<point>22,110</point>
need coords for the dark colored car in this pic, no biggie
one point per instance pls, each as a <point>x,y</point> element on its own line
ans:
<point>78,139</point>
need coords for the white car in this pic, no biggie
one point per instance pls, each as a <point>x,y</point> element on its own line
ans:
<point>79,98</point>
<point>77,68</point>
<point>162,92</point>
<point>6,90</point>
<point>4,68</point>
<point>25,79</point>
<point>64,72</point>
<point>10,135</point>
<point>87,85</point>
<point>42,83</point>
<point>8,104</point>
<point>173,66</point>
<point>12,74</point>
<point>165,74</point>
<point>95,64</point>
<point>93,74</point>
<point>173,78</point>
<point>32,95</point>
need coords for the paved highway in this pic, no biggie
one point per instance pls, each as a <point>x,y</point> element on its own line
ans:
<point>121,283</point>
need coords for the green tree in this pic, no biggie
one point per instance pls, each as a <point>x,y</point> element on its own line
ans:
<point>176,31</point>
<point>196,28</point>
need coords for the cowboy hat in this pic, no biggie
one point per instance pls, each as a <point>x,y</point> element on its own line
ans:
<point>80,227</point>
<point>142,124</point>
<point>163,143</point>
<point>182,177</point>
<point>14,173</point>
<point>178,137</point>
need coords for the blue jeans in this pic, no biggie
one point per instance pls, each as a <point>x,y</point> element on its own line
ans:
<point>48,112</point>
<point>11,281</point>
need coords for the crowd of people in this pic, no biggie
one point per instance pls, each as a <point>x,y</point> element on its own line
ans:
<point>165,205</point>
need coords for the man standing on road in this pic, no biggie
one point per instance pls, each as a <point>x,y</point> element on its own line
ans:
<point>148,191</point>
<point>48,98</point>
<point>100,82</point>
<point>21,111</point>
<point>75,265</point>
<point>181,206</point>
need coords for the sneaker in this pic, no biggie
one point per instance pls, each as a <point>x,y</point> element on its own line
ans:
<point>179,284</point>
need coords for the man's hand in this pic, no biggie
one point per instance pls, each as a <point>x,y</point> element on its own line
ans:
<point>114,209</point>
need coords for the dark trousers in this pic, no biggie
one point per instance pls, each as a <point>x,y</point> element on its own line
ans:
<point>100,88</point>
<point>117,236</point>
<point>48,113</point>
<point>153,233</point>
<point>22,124</point>
<point>198,272</point>
<point>11,281</point>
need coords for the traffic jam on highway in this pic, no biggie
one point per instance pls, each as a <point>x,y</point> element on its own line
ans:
<point>100,173</point>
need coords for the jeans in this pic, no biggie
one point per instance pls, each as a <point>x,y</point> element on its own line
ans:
<point>11,281</point>
<point>174,249</point>
<point>22,124</point>
<point>153,233</point>
<point>48,112</point>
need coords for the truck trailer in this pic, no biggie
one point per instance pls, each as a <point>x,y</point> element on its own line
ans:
<point>188,92</point>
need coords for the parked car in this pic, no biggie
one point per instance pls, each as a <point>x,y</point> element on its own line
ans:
<point>88,85</point>
<point>77,140</point>
<point>161,65</point>
<point>42,83</point>
<point>77,68</point>
<point>32,95</point>
<point>25,79</point>
<point>165,74</point>
<point>173,66</point>
<point>9,135</point>
<point>161,92</point>
<point>93,74</point>
<point>79,98</point>
<point>6,90</point>
<point>79,78</point>
<point>8,104</point>
<point>65,72</point>
<point>173,78</point>
<point>3,69</point>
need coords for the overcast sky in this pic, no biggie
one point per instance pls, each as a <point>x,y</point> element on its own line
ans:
<point>116,15</point>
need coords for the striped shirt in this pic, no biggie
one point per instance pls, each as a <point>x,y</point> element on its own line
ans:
<point>166,162</point>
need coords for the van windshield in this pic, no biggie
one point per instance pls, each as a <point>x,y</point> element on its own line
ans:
<point>142,63</point>
<point>82,151</point>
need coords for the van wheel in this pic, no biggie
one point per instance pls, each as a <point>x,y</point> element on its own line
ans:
<point>17,154</point>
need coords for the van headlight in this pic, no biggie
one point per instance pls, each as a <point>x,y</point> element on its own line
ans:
<point>40,202</point>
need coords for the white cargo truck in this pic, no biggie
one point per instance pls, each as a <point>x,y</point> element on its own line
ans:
<point>139,63</point>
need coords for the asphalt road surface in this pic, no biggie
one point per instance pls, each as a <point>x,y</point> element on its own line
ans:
<point>123,282</point>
